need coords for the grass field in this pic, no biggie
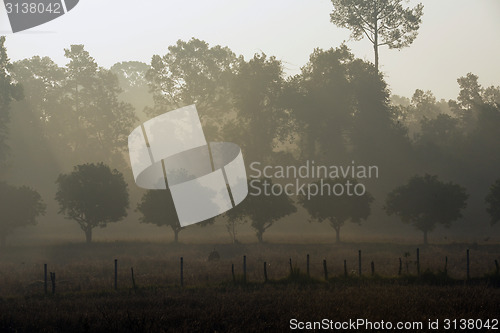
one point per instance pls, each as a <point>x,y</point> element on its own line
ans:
<point>85,299</point>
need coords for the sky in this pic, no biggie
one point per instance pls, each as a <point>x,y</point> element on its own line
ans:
<point>456,36</point>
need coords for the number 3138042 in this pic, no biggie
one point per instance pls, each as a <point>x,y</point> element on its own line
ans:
<point>33,8</point>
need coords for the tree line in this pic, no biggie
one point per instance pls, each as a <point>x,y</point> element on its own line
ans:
<point>336,110</point>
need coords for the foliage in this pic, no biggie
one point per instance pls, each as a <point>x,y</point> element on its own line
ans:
<point>383,22</point>
<point>19,207</point>
<point>338,209</point>
<point>93,195</point>
<point>425,202</point>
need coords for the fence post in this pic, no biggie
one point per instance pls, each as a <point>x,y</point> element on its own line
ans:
<point>244,269</point>
<point>345,268</point>
<point>373,268</point>
<point>133,279</point>
<point>308,265</point>
<point>446,265</point>
<point>232,271</point>
<point>496,265</point>
<point>182,272</point>
<point>116,274</point>
<point>400,266</point>
<point>45,278</point>
<point>291,267</point>
<point>359,262</point>
<point>468,265</point>
<point>53,280</point>
<point>418,261</point>
<point>265,271</point>
<point>324,268</point>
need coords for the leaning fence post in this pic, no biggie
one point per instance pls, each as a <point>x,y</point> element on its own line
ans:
<point>324,268</point>
<point>373,268</point>
<point>359,262</point>
<point>265,271</point>
<point>45,278</point>
<point>308,265</point>
<point>418,261</point>
<point>244,269</point>
<point>468,265</point>
<point>116,274</point>
<point>182,272</point>
<point>345,268</point>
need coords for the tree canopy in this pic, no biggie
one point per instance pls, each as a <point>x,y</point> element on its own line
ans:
<point>93,195</point>
<point>426,202</point>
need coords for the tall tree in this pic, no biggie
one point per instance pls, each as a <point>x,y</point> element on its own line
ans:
<point>9,91</point>
<point>93,195</point>
<point>426,201</point>
<point>19,207</point>
<point>383,22</point>
<point>337,209</point>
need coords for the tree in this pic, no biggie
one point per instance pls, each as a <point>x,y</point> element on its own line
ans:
<point>493,201</point>
<point>93,195</point>
<point>337,209</point>
<point>383,22</point>
<point>9,91</point>
<point>19,207</point>
<point>425,202</point>
<point>157,207</point>
<point>261,209</point>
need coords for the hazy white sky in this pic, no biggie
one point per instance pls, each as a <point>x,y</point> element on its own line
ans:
<point>456,36</point>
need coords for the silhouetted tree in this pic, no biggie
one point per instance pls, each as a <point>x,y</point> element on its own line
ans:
<point>383,22</point>
<point>93,195</point>
<point>337,209</point>
<point>9,91</point>
<point>157,207</point>
<point>493,202</point>
<point>262,209</point>
<point>19,207</point>
<point>425,202</point>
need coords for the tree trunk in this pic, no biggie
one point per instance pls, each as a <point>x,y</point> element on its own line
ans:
<point>88,235</point>
<point>425,237</point>
<point>260,235</point>
<point>337,234</point>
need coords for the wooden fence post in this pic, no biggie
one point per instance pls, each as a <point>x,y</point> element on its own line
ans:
<point>265,271</point>
<point>418,261</point>
<point>446,265</point>
<point>182,271</point>
<point>244,269</point>
<point>345,268</point>
<point>359,262</point>
<point>373,268</point>
<point>45,278</point>
<point>496,265</point>
<point>308,265</point>
<point>133,279</point>
<point>400,266</point>
<point>325,269</point>
<point>53,280</point>
<point>116,274</point>
<point>468,265</point>
<point>232,271</point>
